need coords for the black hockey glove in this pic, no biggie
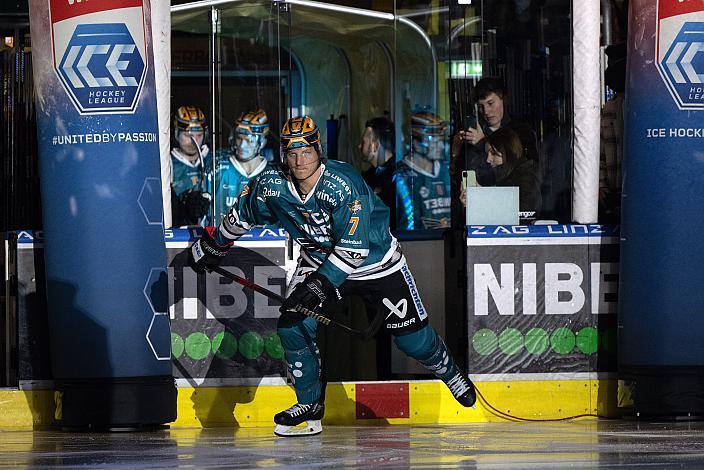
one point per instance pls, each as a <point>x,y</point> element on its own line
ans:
<point>206,251</point>
<point>313,291</point>
<point>195,204</point>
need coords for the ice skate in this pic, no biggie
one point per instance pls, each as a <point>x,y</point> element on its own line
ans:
<point>462,389</point>
<point>289,422</point>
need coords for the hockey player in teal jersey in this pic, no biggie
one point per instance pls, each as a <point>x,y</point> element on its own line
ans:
<point>347,249</point>
<point>191,168</point>
<point>423,176</point>
<point>243,161</point>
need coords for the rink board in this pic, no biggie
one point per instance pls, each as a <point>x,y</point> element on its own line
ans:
<point>238,383</point>
<point>542,299</point>
<point>422,402</point>
<point>219,329</point>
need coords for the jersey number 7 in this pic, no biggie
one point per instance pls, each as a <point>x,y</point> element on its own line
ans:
<point>354,221</point>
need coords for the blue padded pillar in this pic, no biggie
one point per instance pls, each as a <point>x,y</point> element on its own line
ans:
<point>102,212</point>
<point>661,296</point>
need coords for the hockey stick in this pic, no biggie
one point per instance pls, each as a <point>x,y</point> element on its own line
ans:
<point>366,333</point>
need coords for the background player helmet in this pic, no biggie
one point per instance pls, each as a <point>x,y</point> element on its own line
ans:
<point>426,129</point>
<point>300,132</point>
<point>252,127</point>
<point>190,119</point>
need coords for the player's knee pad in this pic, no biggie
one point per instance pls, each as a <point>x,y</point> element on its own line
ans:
<point>296,333</point>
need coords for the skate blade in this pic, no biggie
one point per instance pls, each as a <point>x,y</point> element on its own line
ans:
<point>311,428</point>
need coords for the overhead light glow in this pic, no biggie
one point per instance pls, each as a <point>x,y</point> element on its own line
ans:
<point>466,69</point>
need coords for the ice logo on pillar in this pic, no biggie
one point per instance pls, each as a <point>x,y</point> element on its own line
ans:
<point>680,51</point>
<point>100,53</point>
<point>101,68</point>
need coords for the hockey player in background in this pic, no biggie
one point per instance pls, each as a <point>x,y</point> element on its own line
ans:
<point>242,161</point>
<point>377,147</point>
<point>423,176</point>
<point>346,249</point>
<point>191,168</point>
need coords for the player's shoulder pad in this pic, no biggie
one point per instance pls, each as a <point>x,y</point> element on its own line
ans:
<point>345,174</point>
<point>341,181</point>
<point>341,185</point>
<point>271,177</point>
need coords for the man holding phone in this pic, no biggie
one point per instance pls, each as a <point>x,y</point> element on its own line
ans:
<point>468,151</point>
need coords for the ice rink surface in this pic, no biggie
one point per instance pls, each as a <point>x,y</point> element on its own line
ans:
<point>576,444</point>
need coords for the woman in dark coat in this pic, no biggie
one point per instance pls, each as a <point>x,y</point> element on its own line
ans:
<point>506,156</point>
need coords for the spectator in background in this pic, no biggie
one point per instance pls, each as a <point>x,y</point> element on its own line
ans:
<point>490,96</point>
<point>423,176</point>
<point>506,157</point>
<point>377,148</point>
<point>242,161</point>
<point>611,148</point>
<point>191,168</point>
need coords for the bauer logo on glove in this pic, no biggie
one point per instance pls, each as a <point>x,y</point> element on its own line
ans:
<point>313,291</point>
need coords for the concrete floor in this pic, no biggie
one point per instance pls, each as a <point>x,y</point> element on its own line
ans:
<point>576,444</point>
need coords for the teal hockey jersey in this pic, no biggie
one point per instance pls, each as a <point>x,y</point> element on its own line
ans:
<point>187,176</point>
<point>423,199</point>
<point>230,180</point>
<point>342,226</point>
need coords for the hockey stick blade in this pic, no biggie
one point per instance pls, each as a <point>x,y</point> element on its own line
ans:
<point>367,333</point>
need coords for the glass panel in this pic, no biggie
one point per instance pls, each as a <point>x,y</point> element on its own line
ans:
<point>423,178</point>
<point>347,62</point>
<point>526,47</point>
<point>227,60</point>
<point>191,85</point>
<point>254,85</point>
<point>346,59</point>
<point>417,66</point>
